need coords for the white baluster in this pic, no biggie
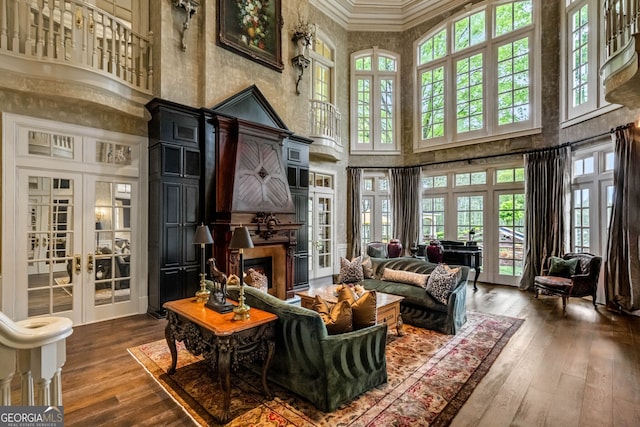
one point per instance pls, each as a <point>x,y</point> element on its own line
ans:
<point>7,371</point>
<point>26,378</point>
<point>3,24</point>
<point>15,42</point>
<point>39,24</point>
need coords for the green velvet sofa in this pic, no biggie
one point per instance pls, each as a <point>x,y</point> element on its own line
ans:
<point>327,370</point>
<point>419,308</point>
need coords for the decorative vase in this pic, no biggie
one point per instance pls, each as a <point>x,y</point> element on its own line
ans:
<point>394,248</point>
<point>435,252</point>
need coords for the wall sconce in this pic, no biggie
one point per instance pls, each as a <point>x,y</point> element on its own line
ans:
<point>303,37</point>
<point>190,8</point>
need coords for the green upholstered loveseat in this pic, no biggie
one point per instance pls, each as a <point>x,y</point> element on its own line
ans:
<point>419,308</point>
<point>327,370</point>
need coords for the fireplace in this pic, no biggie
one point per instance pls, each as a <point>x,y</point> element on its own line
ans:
<point>264,266</point>
<point>247,183</point>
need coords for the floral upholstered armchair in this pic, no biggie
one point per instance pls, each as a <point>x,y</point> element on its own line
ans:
<point>573,275</point>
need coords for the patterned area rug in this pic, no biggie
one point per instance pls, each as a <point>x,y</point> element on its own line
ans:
<point>430,376</point>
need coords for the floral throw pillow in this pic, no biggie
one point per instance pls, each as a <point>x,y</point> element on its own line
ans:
<point>442,281</point>
<point>351,271</point>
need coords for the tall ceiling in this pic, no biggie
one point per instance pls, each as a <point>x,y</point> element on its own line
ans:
<point>383,15</point>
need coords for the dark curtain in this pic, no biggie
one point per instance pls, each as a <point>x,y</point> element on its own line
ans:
<point>622,266</point>
<point>547,195</point>
<point>404,188</point>
<point>354,180</point>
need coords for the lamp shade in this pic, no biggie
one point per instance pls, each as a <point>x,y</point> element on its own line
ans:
<point>240,239</point>
<point>203,236</point>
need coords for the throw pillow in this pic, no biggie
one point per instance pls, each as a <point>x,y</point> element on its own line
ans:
<point>367,267</point>
<point>337,317</point>
<point>562,267</point>
<point>351,271</point>
<point>442,281</point>
<point>407,277</point>
<point>363,308</point>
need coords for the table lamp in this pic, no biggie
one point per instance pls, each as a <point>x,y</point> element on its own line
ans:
<point>241,240</point>
<point>202,238</point>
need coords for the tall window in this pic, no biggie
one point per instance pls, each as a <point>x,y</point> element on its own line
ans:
<point>322,65</point>
<point>375,97</point>
<point>476,76</point>
<point>376,209</point>
<point>592,198</point>
<point>486,205</point>
<point>583,30</point>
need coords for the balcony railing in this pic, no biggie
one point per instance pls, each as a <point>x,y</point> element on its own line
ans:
<point>621,23</point>
<point>325,121</point>
<point>77,34</point>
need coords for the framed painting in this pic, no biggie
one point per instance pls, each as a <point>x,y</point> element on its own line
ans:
<point>252,28</point>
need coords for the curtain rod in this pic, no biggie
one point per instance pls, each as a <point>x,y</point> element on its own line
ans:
<point>517,153</point>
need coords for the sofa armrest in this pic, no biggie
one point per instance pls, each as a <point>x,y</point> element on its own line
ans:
<point>354,363</point>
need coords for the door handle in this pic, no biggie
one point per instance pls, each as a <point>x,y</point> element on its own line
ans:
<point>89,262</point>
<point>78,263</point>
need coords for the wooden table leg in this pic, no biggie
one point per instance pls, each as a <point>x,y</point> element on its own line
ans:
<point>271,345</point>
<point>168,335</point>
<point>224,374</point>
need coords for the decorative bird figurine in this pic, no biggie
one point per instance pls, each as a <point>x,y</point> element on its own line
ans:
<point>218,277</point>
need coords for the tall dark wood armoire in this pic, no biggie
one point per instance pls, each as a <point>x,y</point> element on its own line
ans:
<point>174,203</point>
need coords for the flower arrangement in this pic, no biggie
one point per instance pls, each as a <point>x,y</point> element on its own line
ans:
<point>254,22</point>
<point>304,30</point>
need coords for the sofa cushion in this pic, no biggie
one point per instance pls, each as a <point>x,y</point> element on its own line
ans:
<point>442,281</point>
<point>413,295</point>
<point>367,267</point>
<point>408,277</point>
<point>562,267</point>
<point>351,271</point>
<point>363,307</point>
<point>337,317</point>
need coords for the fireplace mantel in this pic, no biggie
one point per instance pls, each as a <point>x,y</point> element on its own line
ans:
<point>248,182</point>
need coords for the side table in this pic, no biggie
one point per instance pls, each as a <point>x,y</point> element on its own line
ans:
<point>225,343</point>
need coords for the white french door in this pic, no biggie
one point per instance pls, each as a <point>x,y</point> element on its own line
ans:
<point>77,237</point>
<point>47,234</point>
<point>321,225</point>
<point>71,240</point>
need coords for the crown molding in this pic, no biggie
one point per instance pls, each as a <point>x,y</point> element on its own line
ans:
<point>383,15</point>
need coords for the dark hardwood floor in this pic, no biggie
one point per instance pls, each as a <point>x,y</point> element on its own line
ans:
<point>582,369</point>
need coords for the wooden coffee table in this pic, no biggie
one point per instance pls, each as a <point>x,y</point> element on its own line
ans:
<point>221,340</point>
<point>388,305</point>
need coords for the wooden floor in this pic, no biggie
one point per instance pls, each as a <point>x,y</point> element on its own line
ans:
<point>582,369</point>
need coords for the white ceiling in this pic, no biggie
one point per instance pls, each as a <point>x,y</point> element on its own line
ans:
<point>383,15</point>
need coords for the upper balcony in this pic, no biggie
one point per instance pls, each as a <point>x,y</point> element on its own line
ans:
<point>325,130</point>
<point>620,73</point>
<point>88,53</point>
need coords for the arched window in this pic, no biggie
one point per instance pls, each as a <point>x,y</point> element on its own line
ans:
<point>476,77</point>
<point>375,97</point>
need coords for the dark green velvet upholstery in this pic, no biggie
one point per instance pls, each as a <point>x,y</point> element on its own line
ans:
<point>419,308</point>
<point>328,370</point>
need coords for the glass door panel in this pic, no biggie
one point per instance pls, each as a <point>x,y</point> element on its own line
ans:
<point>321,235</point>
<point>52,286</point>
<point>113,244</point>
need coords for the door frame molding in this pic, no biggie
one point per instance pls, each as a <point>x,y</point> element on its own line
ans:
<point>14,156</point>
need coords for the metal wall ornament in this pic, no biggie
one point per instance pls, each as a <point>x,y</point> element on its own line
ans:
<point>303,35</point>
<point>190,8</point>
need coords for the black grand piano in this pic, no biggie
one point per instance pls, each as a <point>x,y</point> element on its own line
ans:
<point>461,253</point>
